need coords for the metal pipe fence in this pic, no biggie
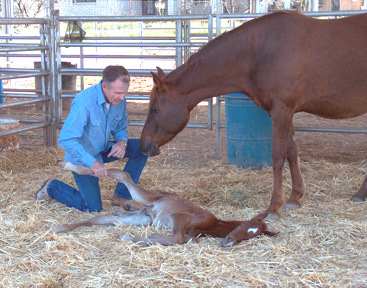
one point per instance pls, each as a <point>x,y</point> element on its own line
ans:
<point>175,49</point>
<point>182,39</point>
<point>51,54</point>
<point>15,45</point>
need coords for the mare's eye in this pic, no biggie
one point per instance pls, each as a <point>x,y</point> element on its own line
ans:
<point>153,108</point>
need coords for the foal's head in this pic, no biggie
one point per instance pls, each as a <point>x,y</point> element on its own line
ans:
<point>247,230</point>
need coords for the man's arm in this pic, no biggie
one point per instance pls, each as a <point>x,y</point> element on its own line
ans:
<point>119,149</point>
<point>120,133</point>
<point>71,132</point>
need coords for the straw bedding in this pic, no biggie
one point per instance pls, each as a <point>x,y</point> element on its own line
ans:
<point>323,244</point>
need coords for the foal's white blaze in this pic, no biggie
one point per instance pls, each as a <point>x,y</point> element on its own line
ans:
<point>252,230</point>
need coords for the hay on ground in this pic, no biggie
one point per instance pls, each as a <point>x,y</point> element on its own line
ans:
<point>323,244</point>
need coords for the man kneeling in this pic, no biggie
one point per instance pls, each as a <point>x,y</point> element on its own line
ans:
<point>96,113</point>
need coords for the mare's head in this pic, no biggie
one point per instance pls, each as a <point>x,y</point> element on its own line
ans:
<point>168,114</point>
<point>247,230</point>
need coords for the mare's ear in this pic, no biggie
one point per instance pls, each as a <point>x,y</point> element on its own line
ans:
<point>161,73</point>
<point>157,81</point>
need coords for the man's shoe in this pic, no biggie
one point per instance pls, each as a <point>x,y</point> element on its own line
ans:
<point>124,203</point>
<point>42,193</point>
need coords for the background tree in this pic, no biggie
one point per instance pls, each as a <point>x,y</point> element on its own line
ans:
<point>29,8</point>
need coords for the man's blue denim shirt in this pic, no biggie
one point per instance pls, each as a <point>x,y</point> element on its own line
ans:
<point>87,129</point>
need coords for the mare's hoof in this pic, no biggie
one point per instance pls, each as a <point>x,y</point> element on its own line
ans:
<point>291,206</point>
<point>357,199</point>
<point>272,216</point>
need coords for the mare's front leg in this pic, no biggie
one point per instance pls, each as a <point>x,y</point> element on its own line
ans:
<point>298,186</point>
<point>282,124</point>
<point>360,196</point>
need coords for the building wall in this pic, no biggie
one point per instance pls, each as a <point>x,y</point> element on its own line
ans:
<point>136,7</point>
<point>351,4</point>
<point>99,8</point>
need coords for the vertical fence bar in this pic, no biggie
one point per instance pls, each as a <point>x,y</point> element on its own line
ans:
<point>81,59</point>
<point>44,40</point>
<point>178,40</point>
<point>54,104</point>
<point>218,99</point>
<point>210,100</point>
<point>58,76</point>
<point>187,39</point>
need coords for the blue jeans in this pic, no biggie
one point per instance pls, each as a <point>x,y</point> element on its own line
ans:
<point>88,197</point>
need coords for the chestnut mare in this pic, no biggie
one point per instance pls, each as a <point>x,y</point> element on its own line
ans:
<point>184,218</point>
<point>286,63</point>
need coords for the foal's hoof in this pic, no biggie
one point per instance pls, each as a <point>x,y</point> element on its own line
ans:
<point>120,213</point>
<point>124,237</point>
<point>272,216</point>
<point>291,206</point>
<point>62,228</point>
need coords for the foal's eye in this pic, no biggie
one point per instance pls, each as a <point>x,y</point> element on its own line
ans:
<point>153,109</point>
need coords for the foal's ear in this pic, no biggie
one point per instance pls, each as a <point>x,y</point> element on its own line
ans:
<point>161,73</point>
<point>157,80</point>
<point>260,216</point>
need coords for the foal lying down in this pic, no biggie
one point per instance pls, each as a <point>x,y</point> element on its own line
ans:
<point>184,218</point>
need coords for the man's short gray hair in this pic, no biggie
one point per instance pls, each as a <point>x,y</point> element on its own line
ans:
<point>113,72</point>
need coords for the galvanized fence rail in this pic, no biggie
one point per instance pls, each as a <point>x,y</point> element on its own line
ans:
<point>12,46</point>
<point>50,48</point>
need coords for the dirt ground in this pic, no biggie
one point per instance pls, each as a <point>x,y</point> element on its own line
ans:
<point>197,145</point>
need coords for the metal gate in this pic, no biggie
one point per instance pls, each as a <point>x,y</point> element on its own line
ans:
<point>51,51</point>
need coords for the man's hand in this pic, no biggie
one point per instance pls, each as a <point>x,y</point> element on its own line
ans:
<point>99,169</point>
<point>118,150</point>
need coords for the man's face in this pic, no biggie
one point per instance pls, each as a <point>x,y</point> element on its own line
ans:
<point>117,91</point>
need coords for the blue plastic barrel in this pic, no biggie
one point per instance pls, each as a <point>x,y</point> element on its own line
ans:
<point>248,132</point>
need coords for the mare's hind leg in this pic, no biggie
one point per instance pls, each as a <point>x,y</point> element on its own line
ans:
<point>298,186</point>
<point>360,196</point>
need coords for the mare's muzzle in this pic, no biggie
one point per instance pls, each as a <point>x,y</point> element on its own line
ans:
<point>149,148</point>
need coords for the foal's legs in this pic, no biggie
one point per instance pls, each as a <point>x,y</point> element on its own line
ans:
<point>137,218</point>
<point>282,125</point>
<point>298,186</point>
<point>179,224</point>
